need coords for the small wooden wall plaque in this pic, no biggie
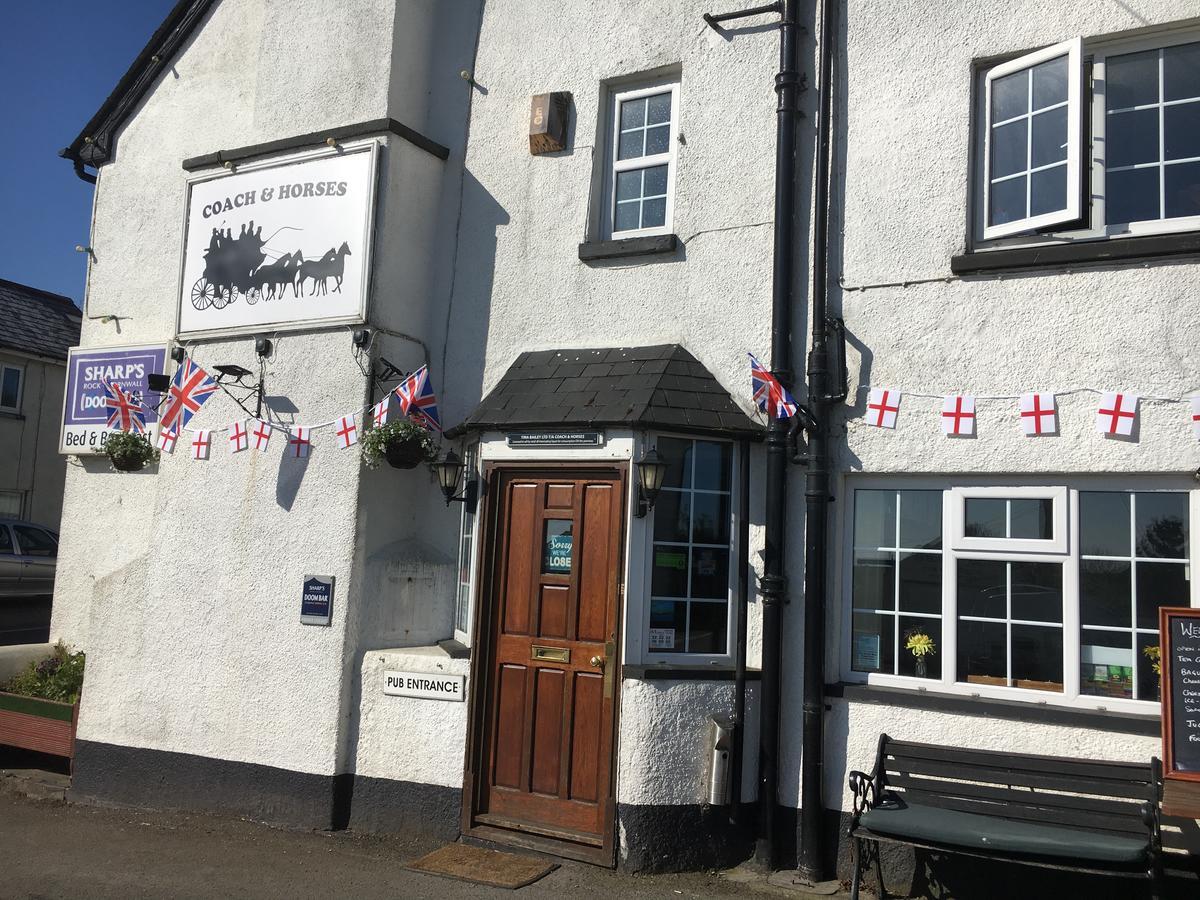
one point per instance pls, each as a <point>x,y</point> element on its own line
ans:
<point>548,122</point>
<point>1179,660</point>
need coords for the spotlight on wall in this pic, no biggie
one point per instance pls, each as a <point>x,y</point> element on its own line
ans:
<point>361,338</point>
<point>157,381</point>
<point>178,354</point>
<point>79,248</point>
<point>651,472</point>
<point>262,346</point>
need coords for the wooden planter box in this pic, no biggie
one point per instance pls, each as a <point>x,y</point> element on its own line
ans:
<point>45,726</point>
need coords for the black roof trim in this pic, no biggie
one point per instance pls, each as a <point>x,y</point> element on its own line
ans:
<point>94,145</point>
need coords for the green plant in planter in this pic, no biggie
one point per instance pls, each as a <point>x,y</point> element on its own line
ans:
<point>403,443</point>
<point>57,677</point>
<point>128,451</point>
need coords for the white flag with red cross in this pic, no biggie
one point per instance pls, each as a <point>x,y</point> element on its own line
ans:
<point>201,444</point>
<point>1117,413</point>
<point>958,415</point>
<point>261,433</point>
<point>379,412</point>
<point>299,441</point>
<point>882,407</point>
<point>1196,416</point>
<point>166,439</point>
<point>1039,415</point>
<point>347,431</point>
<point>239,437</point>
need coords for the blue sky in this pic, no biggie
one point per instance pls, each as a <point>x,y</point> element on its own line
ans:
<point>59,59</point>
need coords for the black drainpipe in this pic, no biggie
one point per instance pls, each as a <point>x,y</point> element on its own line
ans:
<point>817,483</point>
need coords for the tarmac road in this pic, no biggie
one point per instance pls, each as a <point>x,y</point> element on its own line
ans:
<point>49,849</point>
<point>24,620</point>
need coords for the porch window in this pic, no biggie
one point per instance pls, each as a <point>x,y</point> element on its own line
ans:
<point>1024,592</point>
<point>466,557</point>
<point>690,567</point>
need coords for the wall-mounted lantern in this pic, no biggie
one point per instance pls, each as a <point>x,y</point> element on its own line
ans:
<point>449,471</point>
<point>651,472</point>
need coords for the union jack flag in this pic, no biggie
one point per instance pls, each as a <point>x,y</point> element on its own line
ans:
<point>417,400</point>
<point>771,396</point>
<point>190,387</point>
<point>125,413</point>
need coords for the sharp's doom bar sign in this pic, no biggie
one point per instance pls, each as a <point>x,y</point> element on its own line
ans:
<point>1179,659</point>
<point>279,244</point>
<point>85,414</point>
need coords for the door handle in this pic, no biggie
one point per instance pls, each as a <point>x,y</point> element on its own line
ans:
<point>597,661</point>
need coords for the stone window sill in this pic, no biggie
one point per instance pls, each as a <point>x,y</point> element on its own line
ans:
<point>685,673</point>
<point>1113,251</point>
<point>591,251</point>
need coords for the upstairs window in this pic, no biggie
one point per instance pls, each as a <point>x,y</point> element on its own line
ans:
<point>642,152</point>
<point>11,378</point>
<point>1090,139</point>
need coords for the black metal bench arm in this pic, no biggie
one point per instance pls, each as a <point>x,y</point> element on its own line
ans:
<point>866,795</point>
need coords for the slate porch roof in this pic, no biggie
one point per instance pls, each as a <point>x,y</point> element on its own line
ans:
<point>37,322</point>
<point>662,387</point>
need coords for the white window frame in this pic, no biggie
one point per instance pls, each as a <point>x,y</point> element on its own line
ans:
<point>615,165</point>
<point>20,512</point>
<point>958,517</point>
<point>678,660</point>
<point>1094,225</point>
<point>4,367</point>
<point>948,650</point>
<point>471,457</point>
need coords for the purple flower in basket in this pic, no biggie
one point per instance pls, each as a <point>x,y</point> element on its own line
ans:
<point>49,666</point>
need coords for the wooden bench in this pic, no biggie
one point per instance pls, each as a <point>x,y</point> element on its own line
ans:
<point>1078,815</point>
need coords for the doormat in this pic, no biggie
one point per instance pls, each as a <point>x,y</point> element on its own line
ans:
<point>480,866</point>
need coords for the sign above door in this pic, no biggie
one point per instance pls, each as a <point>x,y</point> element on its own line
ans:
<point>555,439</point>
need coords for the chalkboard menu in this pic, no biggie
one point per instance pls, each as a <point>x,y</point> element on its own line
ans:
<point>1179,656</point>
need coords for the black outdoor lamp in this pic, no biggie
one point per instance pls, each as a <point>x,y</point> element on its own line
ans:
<point>449,472</point>
<point>651,472</point>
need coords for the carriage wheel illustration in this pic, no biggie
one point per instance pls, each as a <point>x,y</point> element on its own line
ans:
<point>225,296</point>
<point>204,293</point>
<point>253,295</point>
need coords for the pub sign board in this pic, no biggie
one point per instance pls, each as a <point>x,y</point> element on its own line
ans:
<point>85,413</point>
<point>282,244</point>
<point>1179,659</point>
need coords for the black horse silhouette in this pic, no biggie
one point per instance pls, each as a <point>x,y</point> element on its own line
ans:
<point>331,265</point>
<point>273,279</point>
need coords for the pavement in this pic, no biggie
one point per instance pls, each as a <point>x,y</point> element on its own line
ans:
<point>52,849</point>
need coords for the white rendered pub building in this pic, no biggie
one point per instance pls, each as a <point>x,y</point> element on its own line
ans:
<point>549,657</point>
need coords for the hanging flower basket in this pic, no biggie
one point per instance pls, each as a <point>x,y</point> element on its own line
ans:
<point>403,445</point>
<point>129,452</point>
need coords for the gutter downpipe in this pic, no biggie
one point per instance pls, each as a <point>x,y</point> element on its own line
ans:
<point>773,583</point>
<point>811,863</point>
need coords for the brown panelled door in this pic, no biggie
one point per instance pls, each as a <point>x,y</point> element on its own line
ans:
<point>546,753</point>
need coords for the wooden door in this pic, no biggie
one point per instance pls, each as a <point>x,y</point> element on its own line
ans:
<point>549,723</point>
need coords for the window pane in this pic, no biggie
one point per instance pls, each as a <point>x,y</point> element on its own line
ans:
<point>668,622</point>
<point>1050,83</point>
<point>658,140</point>
<point>669,571</point>
<point>1008,201</point>
<point>982,588</point>
<point>1131,196</point>
<point>874,581</point>
<point>1106,592</point>
<point>10,388</point>
<point>6,544</point>
<point>1037,657</point>
<point>1032,519</point>
<point>713,465</point>
<point>1103,523</point>
<point>1160,584</point>
<point>1048,191</point>
<point>706,631</point>
<point>982,655</point>
<point>678,456</point>
<point>710,573</point>
<point>629,185</point>
<point>930,664</point>
<point>655,184</point>
<point>1106,663</point>
<point>1181,131</point>
<point>1009,148</point>
<point>1049,137</point>
<point>710,518</point>
<point>1132,79</point>
<point>659,109</point>
<point>1181,72</point>
<point>633,113</point>
<point>874,518</point>
<point>654,213</point>
<point>35,542</point>
<point>1183,190</point>
<point>985,518</point>
<point>672,513</point>
<point>1010,96</point>
<point>1161,521</point>
<point>627,216</point>
<point>629,146</point>
<point>10,504</point>
<point>1148,679</point>
<point>873,643</point>
<point>921,582</point>
<point>557,547</point>
<point>1037,591</point>
<point>1132,138</point>
<point>921,520</point>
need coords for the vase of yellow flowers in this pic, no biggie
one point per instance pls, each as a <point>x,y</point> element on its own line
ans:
<point>921,646</point>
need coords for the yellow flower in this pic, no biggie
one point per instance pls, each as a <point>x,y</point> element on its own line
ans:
<point>1151,653</point>
<point>920,644</point>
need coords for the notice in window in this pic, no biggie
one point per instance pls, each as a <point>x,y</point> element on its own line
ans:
<point>556,555</point>
<point>662,638</point>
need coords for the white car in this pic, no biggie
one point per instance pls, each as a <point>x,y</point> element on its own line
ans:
<point>28,557</point>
